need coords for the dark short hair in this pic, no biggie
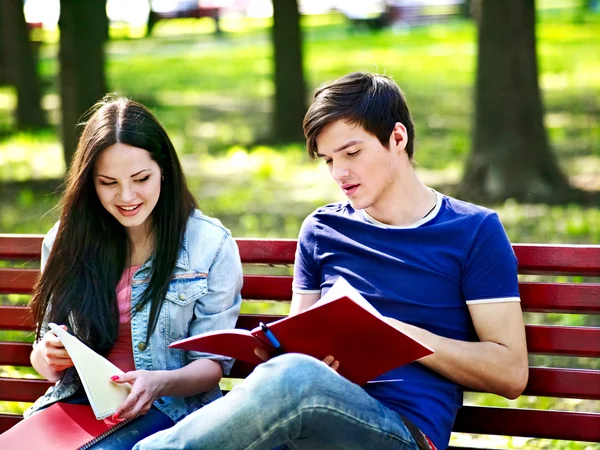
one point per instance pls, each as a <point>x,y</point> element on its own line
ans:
<point>372,101</point>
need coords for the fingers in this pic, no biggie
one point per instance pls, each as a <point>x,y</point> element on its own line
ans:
<point>142,395</point>
<point>262,353</point>
<point>331,362</point>
<point>128,377</point>
<point>136,404</point>
<point>54,352</point>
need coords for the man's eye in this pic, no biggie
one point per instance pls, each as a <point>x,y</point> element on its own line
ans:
<point>353,153</point>
<point>328,161</point>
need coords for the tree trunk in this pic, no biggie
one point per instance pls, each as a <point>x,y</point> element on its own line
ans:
<point>290,88</point>
<point>511,157</point>
<point>3,78</point>
<point>20,65</point>
<point>83,32</point>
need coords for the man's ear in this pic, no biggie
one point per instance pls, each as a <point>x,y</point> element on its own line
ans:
<point>399,136</point>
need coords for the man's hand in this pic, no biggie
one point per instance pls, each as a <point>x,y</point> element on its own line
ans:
<point>53,351</point>
<point>146,387</point>
<point>265,355</point>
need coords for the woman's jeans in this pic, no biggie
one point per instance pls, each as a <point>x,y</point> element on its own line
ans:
<point>292,401</point>
<point>127,436</point>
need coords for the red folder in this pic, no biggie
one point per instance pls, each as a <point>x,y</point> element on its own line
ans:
<point>349,329</point>
<point>62,426</point>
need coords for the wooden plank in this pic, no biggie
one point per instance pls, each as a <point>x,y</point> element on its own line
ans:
<point>533,258</point>
<point>558,259</point>
<point>16,318</point>
<point>14,354</point>
<point>565,425</point>
<point>535,297</point>
<point>22,390</point>
<point>267,251</point>
<point>560,297</point>
<point>568,341</point>
<point>9,420</point>
<point>564,383</point>
<point>18,281</point>
<point>541,339</point>
<point>20,246</point>
<point>267,287</point>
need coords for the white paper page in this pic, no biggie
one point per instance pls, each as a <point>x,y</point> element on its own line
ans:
<point>341,288</point>
<point>94,371</point>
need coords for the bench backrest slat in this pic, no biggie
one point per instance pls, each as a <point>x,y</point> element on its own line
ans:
<point>533,258</point>
<point>544,259</point>
<point>564,341</point>
<point>541,339</point>
<point>21,389</point>
<point>566,425</point>
<point>535,297</point>
<point>564,383</point>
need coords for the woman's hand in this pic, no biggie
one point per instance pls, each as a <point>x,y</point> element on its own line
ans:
<point>146,387</point>
<point>53,351</point>
<point>265,355</point>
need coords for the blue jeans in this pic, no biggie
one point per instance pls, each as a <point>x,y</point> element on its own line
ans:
<point>292,401</point>
<point>125,438</point>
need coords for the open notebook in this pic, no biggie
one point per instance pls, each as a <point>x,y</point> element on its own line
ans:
<point>342,324</point>
<point>94,371</point>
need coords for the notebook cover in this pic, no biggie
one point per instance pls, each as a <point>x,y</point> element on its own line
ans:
<point>62,426</point>
<point>236,343</point>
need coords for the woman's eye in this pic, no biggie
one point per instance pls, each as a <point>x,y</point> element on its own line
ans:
<point>141,180</point>
<point>109,183</point>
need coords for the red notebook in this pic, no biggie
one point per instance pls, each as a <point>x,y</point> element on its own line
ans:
<point>342,324</point>
<point>62,426</point>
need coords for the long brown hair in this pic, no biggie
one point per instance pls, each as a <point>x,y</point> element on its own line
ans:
<point>78,284</point>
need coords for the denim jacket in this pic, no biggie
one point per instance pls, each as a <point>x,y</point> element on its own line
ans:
<point>204,295</point>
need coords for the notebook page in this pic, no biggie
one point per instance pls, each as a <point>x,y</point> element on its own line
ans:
<point>94,371</point>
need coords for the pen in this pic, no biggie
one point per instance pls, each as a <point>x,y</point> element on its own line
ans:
<point>272,339</point>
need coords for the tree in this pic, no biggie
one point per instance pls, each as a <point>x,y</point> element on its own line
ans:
<point>290,88</point>
<point>19,65</point>
<point>511,157</point>
<point>83,33</point>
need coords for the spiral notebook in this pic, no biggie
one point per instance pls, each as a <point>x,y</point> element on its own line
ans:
<point>62,426</point>
<point>94,372</point>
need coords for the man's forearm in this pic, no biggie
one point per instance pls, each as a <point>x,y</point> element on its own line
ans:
<point>485,366</point>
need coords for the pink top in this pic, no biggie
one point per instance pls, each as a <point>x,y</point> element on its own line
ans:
<point>121,354</point>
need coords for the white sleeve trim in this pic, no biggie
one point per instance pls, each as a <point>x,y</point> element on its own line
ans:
<point>296,290</point>
<point>494,300</point>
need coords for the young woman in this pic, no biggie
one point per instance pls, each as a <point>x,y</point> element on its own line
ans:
<point>132,266</point>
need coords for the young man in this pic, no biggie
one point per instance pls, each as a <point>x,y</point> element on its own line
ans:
<point>440,269</point>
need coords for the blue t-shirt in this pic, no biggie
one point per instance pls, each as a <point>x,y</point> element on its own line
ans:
<point>424,275</point>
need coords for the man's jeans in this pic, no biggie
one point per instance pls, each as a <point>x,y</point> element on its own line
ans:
<point>292,401</point>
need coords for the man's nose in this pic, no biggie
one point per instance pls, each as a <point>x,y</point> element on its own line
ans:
<point>339,171</point>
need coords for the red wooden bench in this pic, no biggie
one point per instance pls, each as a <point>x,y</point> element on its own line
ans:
<point>562,297</point>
